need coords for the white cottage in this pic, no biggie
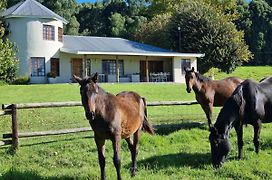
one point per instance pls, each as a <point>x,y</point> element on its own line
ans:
<point>38,34</point>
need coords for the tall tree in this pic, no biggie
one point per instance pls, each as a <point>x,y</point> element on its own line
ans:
<point>260,33</point>
<point>117,25</point>
<point>112,18</point>
<point>205,30</point>
<point>66,9</point>
<point>156,32</point>
<point>10,3</point>
<point>158,7</point>
<point>8,60</point>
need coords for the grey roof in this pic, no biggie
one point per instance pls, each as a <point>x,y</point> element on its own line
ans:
<point>114,46</point>
<point>31,8</point>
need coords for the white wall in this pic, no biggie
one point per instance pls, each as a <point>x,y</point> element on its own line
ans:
<point>178,77</point>
<point>27,33</point>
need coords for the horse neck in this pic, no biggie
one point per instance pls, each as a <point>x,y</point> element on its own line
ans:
<point>228,117</point>
<point>100,101</point>
<point>197,86</point>
<point>200,81</point>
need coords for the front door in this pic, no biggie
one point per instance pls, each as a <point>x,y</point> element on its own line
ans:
<point>153,67</point>
<point>77,67</point>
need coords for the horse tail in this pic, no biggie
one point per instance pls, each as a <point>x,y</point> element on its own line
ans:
<point>241,104</point>
<point>147,127</point>
<point>249,101</point>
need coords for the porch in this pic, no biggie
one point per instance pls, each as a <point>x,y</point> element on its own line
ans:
<point>124,69</point>
<point>121,60</point>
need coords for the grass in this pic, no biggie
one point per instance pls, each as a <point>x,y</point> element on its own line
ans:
<point>179,151</point>
<point>253,72</point>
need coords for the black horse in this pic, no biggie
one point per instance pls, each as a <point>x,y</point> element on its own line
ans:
<point>250,103</point>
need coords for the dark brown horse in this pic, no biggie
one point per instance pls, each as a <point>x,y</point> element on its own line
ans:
<point>210,93</point>
<point>115,118</point>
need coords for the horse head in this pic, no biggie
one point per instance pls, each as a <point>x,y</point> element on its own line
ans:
<point>88,92</point>
<point>220,147</point>
<point>189,78</point>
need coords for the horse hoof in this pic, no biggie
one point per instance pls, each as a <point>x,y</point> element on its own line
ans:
<point>133,172</point>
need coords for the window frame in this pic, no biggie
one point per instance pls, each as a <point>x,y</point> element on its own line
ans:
<point>60,34</point>
<point>37,66</point>
<point>185,63</point>
<point>48,32</point>
<point>89,67</point>
<point>109,67</point>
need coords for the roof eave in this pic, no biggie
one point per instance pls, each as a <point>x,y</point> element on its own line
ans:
<point>162,54</point>
<point>41,17</point>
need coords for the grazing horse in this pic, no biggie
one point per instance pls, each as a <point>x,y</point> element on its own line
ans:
<point>250,103</point>
<point>115,118</point>
<point>210,92</point>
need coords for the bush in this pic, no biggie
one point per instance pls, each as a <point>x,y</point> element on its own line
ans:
<point>51,75</point>
<point>2,83</point>
<point>21,80</point>
<point>8,61</point>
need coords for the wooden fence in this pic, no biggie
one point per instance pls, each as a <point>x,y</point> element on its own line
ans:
<point>11,109</point>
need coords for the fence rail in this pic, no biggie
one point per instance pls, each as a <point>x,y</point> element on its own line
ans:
<point>11,109</point>
<point>7,107</point>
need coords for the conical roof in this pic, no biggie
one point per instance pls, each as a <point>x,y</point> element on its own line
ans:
<point>31,8</point>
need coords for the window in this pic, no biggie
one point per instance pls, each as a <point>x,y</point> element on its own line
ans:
<point>48,32</point>
<point>37,66</point>
<point>185,63</point>
<point>109,67</point>
<point>60,34</point>
<point>54,63</point>
<point>88,67</point>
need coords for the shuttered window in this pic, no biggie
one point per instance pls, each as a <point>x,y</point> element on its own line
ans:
<point>109,67</point>
<point>48,32</point>
<point>37,66</point>
<point>60,34</point>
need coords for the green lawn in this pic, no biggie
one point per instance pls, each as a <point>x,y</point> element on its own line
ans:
<point>179,151</point>
<point>254,72</point>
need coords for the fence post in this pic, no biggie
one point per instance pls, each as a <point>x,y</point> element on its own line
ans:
<point>15,137</point>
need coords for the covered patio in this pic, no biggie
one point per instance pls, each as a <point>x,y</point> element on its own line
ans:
<point>121,60</point>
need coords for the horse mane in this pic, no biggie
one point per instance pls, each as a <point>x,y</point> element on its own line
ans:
<point>202,78</point>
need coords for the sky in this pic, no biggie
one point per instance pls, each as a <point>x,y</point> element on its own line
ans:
<point>82,1</point>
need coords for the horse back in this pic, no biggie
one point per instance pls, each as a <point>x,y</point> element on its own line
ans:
<point>224,88</point>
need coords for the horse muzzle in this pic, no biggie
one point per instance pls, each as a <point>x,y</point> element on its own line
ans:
<point>90,115</point>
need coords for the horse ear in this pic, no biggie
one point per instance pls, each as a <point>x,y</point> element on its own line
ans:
<point>193,69</point>
<point>95,78</point>
<point>185,69</point>
<point>78,79</point>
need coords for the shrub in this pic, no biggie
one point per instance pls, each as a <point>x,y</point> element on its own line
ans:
<point>2,83</point>
<point>51,75</point>
<point>21,80</point>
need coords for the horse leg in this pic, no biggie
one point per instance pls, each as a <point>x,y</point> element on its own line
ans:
<point>116,156</point>
<point>133,147</point>
<point>100,143</point>
<point>257,129</point>
<point>208,111</point>
<point>239,132</point>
